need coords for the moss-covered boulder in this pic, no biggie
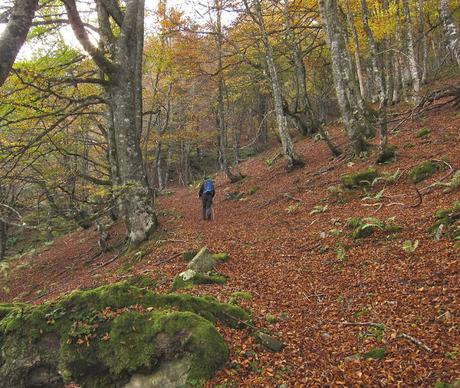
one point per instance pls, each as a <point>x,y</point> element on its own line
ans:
<point>447,222</point>
<point>104,336</point>
<point>422,171</point>
<point>204,261</point>
<point>359,179</point>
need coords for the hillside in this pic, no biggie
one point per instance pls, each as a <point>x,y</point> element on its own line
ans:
<point>312,284</point>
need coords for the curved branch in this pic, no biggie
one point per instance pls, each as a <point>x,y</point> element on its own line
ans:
<point>78,28</point>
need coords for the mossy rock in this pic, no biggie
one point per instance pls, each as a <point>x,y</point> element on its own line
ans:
<point>101,337</point>
<point>422,171</point>
<point>197,278</point>
<point>447,222</point>
<point>359,179</point>
<point>387,156</point>
<point>424,132</point>
<point>204,261</point>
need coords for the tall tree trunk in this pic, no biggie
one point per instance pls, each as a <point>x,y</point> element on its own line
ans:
<point>423,52</point>
<point>286,141</point>
<point>124,97</point>
<point>378,70</point>
<point>221,122</point>
<point>450,30</point>
<point>357,52</point>
<point>413,67</point>
<point>158,168</point>
<point>348,96</point>
<point>125,94</point>
<point>308,121</point>
<point>15,34</point>
<point>262,126</point>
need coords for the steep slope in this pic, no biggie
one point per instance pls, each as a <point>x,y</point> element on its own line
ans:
<point>327,295</point>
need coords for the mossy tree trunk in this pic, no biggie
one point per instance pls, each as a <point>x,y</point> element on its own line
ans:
<point>379,78</point>
<point>122,34</point>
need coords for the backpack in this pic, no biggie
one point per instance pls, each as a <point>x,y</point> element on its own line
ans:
<point>208,186</point>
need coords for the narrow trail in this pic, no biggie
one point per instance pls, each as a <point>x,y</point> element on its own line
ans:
<point>286,258</point>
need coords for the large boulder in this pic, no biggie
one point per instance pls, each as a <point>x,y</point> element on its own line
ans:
<point>112,336</point>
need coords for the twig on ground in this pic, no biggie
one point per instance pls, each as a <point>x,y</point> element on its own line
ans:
<point>415,341</point>
<point>399,334</point>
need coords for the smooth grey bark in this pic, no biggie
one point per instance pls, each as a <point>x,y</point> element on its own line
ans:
<point>413,66</point>
<point>357,53</point>
<point>379,78</point>
<point>450,30</point>
<point>123,90</point>
<point>221,122</point>
<point>288,148</point>
<point>349,99</point>
<point>15,34</point>
<point>423,50</point>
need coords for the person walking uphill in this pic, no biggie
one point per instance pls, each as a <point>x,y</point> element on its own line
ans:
<point>206,194</point>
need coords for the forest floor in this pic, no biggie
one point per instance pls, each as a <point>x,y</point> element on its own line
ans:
<point>311,282</point>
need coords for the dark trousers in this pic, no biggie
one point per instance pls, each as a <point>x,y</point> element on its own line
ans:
<point>206,211</point>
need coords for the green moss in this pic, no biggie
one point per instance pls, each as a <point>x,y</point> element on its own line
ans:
<point>375,353</point>
<point>359,179</point>
<point>189,255</point>
<point>240,295</point>
<point>424,132</point>
<point>270,318</point>
<point>199,278</point>
<point>129,346</point>
<point>443,384</point>
<point>104,335</point>
<point>447,222</point>
<point>253,190</point>
<point>454,183</point>
<point>422,171</point>
<point>141,281</point>
<point>221,256</point>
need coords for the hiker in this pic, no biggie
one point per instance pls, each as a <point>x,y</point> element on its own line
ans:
<point>206,194</point>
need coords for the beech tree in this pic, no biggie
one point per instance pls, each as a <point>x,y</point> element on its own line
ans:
<point>119,60</point>
<point>255,11</point>
<point>348,96</point>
